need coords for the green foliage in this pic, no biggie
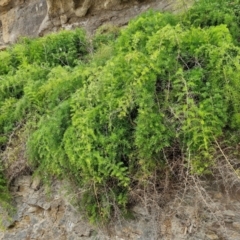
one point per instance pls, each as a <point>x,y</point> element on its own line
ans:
<point>4,193</point>
<point>206,13</point>
<point>45,143</point>
<point>102,45</point>
<point>141,29</point>
<point>196,76</point>
<point>64,48</point>
<point>5,62</point>
<point>162,89</point>
<point>5,199</point>
<point>105,35</point>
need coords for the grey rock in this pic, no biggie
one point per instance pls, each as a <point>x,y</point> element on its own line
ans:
<point>38,17</point>
<point>32,209</point>
<point>21,235</point>
<point>212,236</point>
<point>140,210</point>
<point>44,205</point>
<point>228,220</point>
<point>228,213</point>
<point>8,236</point>
<point>36,183</point>
<point>6,223</point>
<point>232,235</point>
<point>236,225</point>
<point>34,220</point>
<point>82,230</point>
<point>32,200</point>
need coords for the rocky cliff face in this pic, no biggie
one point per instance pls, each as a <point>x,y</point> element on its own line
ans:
<point>192,214</point>
<point>20,18</point>
<point>38,17</point>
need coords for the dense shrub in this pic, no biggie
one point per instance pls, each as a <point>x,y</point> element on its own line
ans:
<point>64,48</point>
<point>206,13</point>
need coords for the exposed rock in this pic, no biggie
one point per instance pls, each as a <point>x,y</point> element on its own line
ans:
<point>32,209</point>
<point>212,237</point>
<point>21,18</point>
<point>38,17</point>
<point>236,225</point>
<point>36,183</point>
<point>40,216</point>
<point>50,215</point>
<point>229,213</point>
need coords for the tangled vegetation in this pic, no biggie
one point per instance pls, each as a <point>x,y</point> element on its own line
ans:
<point>158,96</point>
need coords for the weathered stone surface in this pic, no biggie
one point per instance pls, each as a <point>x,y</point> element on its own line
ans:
<point>36,183</point>
<point>236,225</point>
<point>42,216</point>
<point>51,216</point>
<point>212,236</point>
<point>38,17</point>
<point>21,18</point>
